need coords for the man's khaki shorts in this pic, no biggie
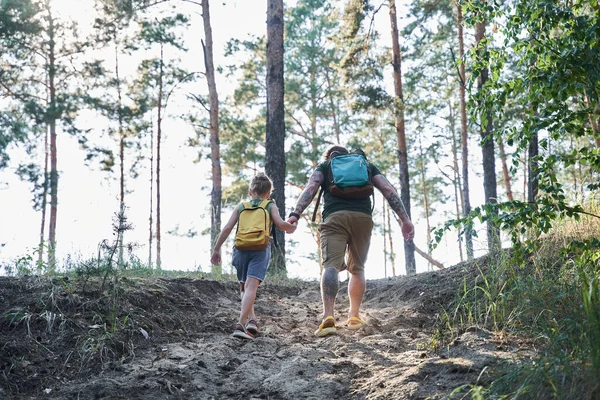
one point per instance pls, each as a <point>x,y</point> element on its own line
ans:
<point>346,230</point>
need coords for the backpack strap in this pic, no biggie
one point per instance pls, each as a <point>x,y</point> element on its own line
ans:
<point>265,203</point>
<point>314,217</point>
<point>272,232</point>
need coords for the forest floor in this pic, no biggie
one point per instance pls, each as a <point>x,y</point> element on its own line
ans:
<point>170,338</point>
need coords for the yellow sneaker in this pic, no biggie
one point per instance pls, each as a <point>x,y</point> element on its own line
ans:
<point>327,327</point>
<point>355,323</point>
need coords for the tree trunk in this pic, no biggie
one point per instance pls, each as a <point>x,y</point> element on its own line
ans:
<point>423,177</point>
<point>275,166</point>
<point>52,111</point>
<point>334,109</point>
<point>593,118</point>
<point>150,218</point>
<point>458,194</point>
<point>215,155</point>
<point>390,239</point>
<point>409,249</point>
<point>121,233</point>
<point>487,149</point>
<point>44,202</point>
<point>505,171</point>
<point>386,234</point>
<point>532,166</point>
<point>464,133</point>
<point>158,143</point>
<point>532,154</point>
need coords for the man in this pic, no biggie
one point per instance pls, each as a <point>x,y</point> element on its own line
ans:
<point>346,228</point>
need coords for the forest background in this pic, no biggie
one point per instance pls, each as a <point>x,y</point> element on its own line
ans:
<point>339,89</point>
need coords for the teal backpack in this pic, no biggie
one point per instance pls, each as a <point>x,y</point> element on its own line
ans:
<point>349,178</point>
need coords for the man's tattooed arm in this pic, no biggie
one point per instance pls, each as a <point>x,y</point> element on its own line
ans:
<point>309,192</point>
<point>391,195</point>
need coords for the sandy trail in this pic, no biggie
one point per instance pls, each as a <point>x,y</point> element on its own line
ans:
<point>173,340</point>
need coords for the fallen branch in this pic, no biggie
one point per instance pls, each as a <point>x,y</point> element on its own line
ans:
<point>429,258</point>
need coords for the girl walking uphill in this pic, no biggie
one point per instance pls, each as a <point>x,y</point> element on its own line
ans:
<point>252,250</point>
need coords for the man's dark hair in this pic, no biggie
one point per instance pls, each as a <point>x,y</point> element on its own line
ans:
<point>335,150</point>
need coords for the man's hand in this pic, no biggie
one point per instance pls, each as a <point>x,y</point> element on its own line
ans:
<point>408,230</point>
<point>215,258</point>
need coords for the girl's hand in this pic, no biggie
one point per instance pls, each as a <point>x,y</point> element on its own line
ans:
<point>293,228</point>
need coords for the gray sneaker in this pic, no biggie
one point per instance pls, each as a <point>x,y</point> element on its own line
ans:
<point>252,326</point>
<point>240,332</point>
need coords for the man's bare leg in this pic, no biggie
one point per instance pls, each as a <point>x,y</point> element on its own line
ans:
<point>356,291</point>
<point>329,289</point>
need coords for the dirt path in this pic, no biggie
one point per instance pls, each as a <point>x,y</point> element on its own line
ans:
<point>174,341</point>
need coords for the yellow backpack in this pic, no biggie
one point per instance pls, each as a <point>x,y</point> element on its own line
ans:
<point>254,226</point>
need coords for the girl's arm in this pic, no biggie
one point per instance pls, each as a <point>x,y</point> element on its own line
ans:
<point>215,257</point>
<point>280,223</point>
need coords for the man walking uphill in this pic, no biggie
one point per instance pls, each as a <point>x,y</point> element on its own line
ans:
<point>346,228</point>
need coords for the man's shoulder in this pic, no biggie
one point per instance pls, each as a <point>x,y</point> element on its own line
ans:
<point>322,165</point>
<point>374,169</point>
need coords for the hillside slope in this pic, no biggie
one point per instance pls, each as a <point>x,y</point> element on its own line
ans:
<point>172,340</point>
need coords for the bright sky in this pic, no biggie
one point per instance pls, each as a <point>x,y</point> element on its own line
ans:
<point>87,201</point>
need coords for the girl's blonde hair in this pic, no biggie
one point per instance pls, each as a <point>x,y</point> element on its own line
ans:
<point>261,184</point>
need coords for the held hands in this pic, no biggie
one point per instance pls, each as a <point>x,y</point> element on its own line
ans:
<point>293,221</point>
<point>293,227</point>
<point>408,230</point>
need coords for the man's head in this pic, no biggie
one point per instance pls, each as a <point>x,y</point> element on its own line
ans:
<point>260,186</point>
<point>335,150</point>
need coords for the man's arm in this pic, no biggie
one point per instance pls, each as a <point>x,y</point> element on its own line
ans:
<point>391,195</point>
<point>308,194</point>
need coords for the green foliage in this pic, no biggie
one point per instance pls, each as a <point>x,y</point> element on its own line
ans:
<point>590,287</point>
<point>27,264</point>
<point>13,129</point>
<point>547,296</point>
<point>17,21</point>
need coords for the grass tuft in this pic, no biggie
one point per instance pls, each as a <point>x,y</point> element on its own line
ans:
<point>550,299</point>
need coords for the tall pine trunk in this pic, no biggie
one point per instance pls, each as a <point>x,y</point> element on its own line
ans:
<point>425,188</point>
<point>150,218</point>
<point>275,165</point>
<point>409,249</point>
<point>52,116</point>
<point>158,145</point>
<point>121,232</point>
<point>215,155</point>
<point>456,184</point>
<point>44,201</point>
<point>386,233</point>
<point>464,132</point>
<point>487,145</point>
<point>390,239</point>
